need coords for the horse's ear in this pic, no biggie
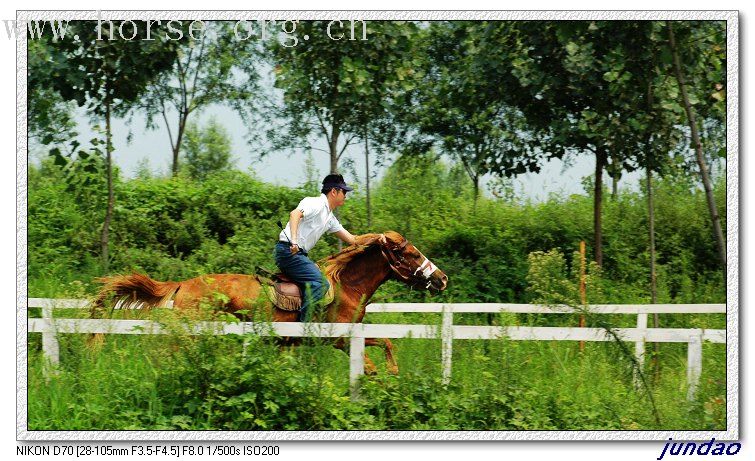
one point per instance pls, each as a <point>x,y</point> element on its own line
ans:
<point>393,237</point>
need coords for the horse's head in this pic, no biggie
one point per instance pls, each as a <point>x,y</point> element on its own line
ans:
<point>409,265</point>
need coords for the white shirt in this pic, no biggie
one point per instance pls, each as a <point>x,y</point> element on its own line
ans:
<point>317,219</point>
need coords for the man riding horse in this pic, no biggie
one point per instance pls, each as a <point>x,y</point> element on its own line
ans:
<point>358,270</point>
<point>308,222</point>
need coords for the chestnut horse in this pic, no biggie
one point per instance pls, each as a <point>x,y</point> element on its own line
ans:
<point>357,272</point>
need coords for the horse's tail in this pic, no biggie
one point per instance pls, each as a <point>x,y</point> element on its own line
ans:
<point>132,291</point>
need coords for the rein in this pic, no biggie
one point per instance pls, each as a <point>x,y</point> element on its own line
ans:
<point>394,261</point>
<point>397,263</point>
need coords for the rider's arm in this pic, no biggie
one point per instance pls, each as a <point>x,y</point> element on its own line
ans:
<point>295,218</point>
<point>367,239</point>
<point>344,235</point>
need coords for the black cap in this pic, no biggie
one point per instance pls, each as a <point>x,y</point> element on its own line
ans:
<point>335,181</point>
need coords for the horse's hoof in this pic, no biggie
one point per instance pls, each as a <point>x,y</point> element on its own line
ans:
<point>370,370</point>
<point>392,369</point>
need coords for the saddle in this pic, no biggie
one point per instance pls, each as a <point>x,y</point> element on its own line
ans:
<point>282,291</point>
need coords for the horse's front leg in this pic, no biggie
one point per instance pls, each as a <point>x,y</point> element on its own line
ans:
<point>369,366</point>
<point>390,361</point>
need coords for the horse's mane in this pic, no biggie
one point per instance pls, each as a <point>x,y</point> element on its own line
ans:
<point>333,265</point>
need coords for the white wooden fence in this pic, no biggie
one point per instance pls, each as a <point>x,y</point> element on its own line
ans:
<point>448,332</point>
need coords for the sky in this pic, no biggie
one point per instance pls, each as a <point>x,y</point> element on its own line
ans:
<point>134,144</point>
<point>287,167</point>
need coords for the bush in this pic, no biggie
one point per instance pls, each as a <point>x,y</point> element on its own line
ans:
<point>179,227</point>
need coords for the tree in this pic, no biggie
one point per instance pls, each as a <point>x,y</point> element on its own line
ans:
<point>689,110</point>
<point>106,77</point>
<point>50,119</point>
<point>559,87</point>
<point>213,67</point>
<point>577,85</point>
<point>344,90</point>
<point>653,136</point>
<point>339,88</point>
<point>206,149</point>
<point>454,108</point>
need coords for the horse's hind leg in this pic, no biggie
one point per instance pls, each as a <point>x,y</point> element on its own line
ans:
<point>369,366</point>
<point>390,361</point>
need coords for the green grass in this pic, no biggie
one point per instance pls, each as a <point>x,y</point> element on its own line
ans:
<point>206,383</point>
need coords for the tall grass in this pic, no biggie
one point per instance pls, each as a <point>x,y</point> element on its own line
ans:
<point>208,382</point>
<point>178,228</point>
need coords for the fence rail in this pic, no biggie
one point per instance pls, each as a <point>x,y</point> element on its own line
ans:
<point>50,326</point>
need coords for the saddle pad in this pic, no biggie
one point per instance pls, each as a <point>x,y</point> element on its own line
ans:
<point>287,289</point>
<point>282,301</point>
<point>290,300</point>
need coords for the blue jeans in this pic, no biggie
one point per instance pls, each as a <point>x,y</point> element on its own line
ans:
<point>299,268</point>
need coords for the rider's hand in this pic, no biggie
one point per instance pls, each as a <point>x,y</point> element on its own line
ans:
<point>294,248</point>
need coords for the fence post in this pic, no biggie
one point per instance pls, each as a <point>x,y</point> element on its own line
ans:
<point>446,334</point>
<point>50,346</point>
<point>244,340</point>
<point>694,363</point>
<point>639,349</point>
<point>356,364</point>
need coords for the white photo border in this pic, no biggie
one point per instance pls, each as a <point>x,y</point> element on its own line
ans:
<point>732,231</point>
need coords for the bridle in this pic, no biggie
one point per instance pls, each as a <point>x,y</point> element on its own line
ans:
<point>398,264</point>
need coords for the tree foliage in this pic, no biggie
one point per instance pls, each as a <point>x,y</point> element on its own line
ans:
<point>500,98</point>
<point>207,149</point>
<point>455,106</point>
<point>177,228</point>
<point>212,67</point>
<point>340,90</point>
<point>104,76</point>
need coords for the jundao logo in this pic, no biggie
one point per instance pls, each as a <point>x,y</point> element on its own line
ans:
<point>702,449</point>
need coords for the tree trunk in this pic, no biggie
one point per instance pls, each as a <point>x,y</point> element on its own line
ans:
<point>649,158</point>
<point>183,117</point>
<point>651,235</point>
<point>174,169</point>
<point>615,176</point>
<point>367,178</point>
<point>333,147</point>
<point>717,231</point>
<point>600,162</point>
<point>476,192</point>
<point>651,232</point>
<point>105,235</point>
